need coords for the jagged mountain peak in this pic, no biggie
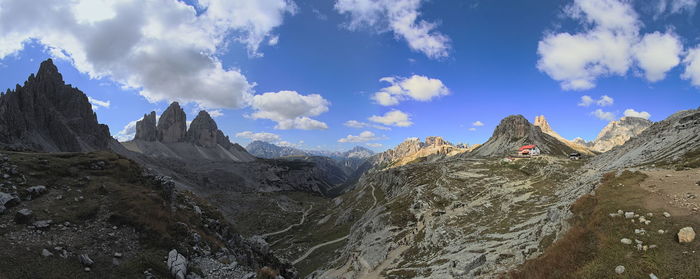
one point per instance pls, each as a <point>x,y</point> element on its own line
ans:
<point>618,132</point>
<point>514,131</point>
<point>172,125</point>
<point>203,130</point>
<point>45,114</point>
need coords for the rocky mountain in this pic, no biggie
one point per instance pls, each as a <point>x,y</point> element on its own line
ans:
<point>170,138</point>
<point>664,142</point>
<point>515,131</point>
<point>413,150</point>
<point>267,150</point>
<point>618,132</point>
<point>581,147</point>
<point>45,114</point>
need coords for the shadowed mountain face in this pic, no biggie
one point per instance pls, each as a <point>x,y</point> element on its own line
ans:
<point>266,150</point>
<point>515,131</point>
<point>45,114</point>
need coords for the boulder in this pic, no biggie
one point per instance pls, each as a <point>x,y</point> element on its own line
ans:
<point>8,200</point>
<point>626,241</point>
<point>46,253</point>
<point>619,269</point>
<point>686,235</point>
<point>42,224</point>
<point>177,264</point>
<point>24,216</point>
<point>36,191</point>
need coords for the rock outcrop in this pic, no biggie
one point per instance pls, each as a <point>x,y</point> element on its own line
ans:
<point>515,131</point>
<point>146,128</point>
<point>172,125</point>
<point>618,132</point>
<point>45,114</point>
<point>413,150</point>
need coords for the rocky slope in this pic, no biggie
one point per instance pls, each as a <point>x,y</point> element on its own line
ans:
<point>664,142</point>
<point>618,132</point>
<point>99,215</point>
<point>575,144</point>
<point>45,114</point>
<point>515,131</point>
<point>170,138</point>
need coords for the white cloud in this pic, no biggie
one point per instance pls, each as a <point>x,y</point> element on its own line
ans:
<point>478,124</point>
<point>609,45</point>
<point>419,88</point>
<point>586,101</point>
<point>273,41</point>
<point>472,129</point>
<point>96,104</point>
<point>263,136</point>
<point>657,54</point>
<point>603,115</point>
<point>393,118</point>
<point>215,113</point>
<point>128,132</point>
<point>290,109</point>
<point>362,137</point>
<point>692,66</point>
<point>289,144</point>
<point>374,145</point>
<point>634,113</point>
<point>162,48</point>
<point>605,101</point>
<point>676,6</point>
<point>399,17</point>
<point>362,125</point>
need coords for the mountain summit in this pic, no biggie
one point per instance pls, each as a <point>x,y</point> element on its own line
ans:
<point>515,131</point>
<point>45,114</point>
<point>541,121</point>
<point>618,132</point>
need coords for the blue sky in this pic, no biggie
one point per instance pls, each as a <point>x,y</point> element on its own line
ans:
<point>294,72</point>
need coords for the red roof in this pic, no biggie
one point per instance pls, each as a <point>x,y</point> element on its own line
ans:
<point>532,146</point>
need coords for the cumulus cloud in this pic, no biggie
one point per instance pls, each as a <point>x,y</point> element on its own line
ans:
<point>96,104</point>
<point>477,124</point>
<point>362,125</point>
<point>215,113</point>
<point>605,101</point>
<point>399,17</point>
<point>290,109</point>
<point>472,129</point>
<point>692,66</point>
<point>675,6</point>
<point>609,45</point>
<point>586,101</point>
<point>164,49</point>
<point>262,136</point>
<point>393,118</point>
<point>128,132</point>
<point>658,53</point>
<point>419,88</point>
<point>362,137</point>
<point>604,115</point>
<point>634,113</point>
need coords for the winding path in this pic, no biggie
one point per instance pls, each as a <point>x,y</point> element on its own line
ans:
<point>303,217</point>
<point>312,249</point>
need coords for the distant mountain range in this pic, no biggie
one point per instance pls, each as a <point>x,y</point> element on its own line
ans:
<point>268,150</point>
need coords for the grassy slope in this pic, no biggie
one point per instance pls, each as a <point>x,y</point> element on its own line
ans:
<point>592,247</point>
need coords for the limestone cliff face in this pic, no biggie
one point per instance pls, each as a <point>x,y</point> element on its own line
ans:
<point>412,150</point>
<point>618,132</point>
<point>172,125</point>
<point>146,128</point>
<point>45,114</point>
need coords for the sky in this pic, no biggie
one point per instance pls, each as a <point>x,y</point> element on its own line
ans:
<point>322,74</point>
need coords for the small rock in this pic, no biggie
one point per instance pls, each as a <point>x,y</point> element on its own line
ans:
<point>686,235</point>
<point>652,246</point>
<point>24,216</point>
<point>177,264</point>
<point>46,253</point>
<point>647,222</point>
<point>652,276</point>
<point>626,241</point>
<point>42,224</point>
<point>619,269</point>
<point>36,191</point>
<point>197,210</point>
<point>85,260</point>
<point>661,231</point>
<point>629,215</point>
<point>117,255</point>
<point>87,269</point>
<point>650,214</point>
<point>619,211</point>
<point>667,215</point>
